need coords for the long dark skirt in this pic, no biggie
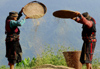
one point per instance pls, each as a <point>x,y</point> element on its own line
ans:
<point>87,52</point>
<point>13,52</point>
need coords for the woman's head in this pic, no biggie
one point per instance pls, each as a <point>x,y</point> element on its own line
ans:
<point>13,15</point>
<point>86,15</point>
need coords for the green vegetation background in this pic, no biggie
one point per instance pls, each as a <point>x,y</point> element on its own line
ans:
<point>49,56</point>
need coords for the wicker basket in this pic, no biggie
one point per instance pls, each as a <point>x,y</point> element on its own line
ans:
<point>65,14</point>
<point>73,59</point>
<point>35,9</point>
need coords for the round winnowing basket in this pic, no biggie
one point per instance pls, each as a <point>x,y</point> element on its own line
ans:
<point>65,14</point>
<point>35,9</point>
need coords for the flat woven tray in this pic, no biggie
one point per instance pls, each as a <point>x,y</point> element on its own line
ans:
<point>35,9</point>
<point>64,14</point>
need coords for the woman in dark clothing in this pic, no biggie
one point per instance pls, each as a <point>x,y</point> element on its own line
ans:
<point>13,47</point>
<point>88,36</point>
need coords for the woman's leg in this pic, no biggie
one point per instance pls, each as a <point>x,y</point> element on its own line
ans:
<point>89,66</point>
<point>11,66</point>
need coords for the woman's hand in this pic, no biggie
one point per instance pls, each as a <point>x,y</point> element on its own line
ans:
<point>77,13</point>
<point>74,18</point>
<point>22,9</point>
<point>26,17</point>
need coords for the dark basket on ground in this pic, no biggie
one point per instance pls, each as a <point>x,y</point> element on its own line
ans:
<point>73,59</point>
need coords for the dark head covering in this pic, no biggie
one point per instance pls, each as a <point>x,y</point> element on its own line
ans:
<point>86,15</point>
<point>13,14</point>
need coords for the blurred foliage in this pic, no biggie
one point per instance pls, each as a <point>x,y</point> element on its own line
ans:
<point>49,55</point>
